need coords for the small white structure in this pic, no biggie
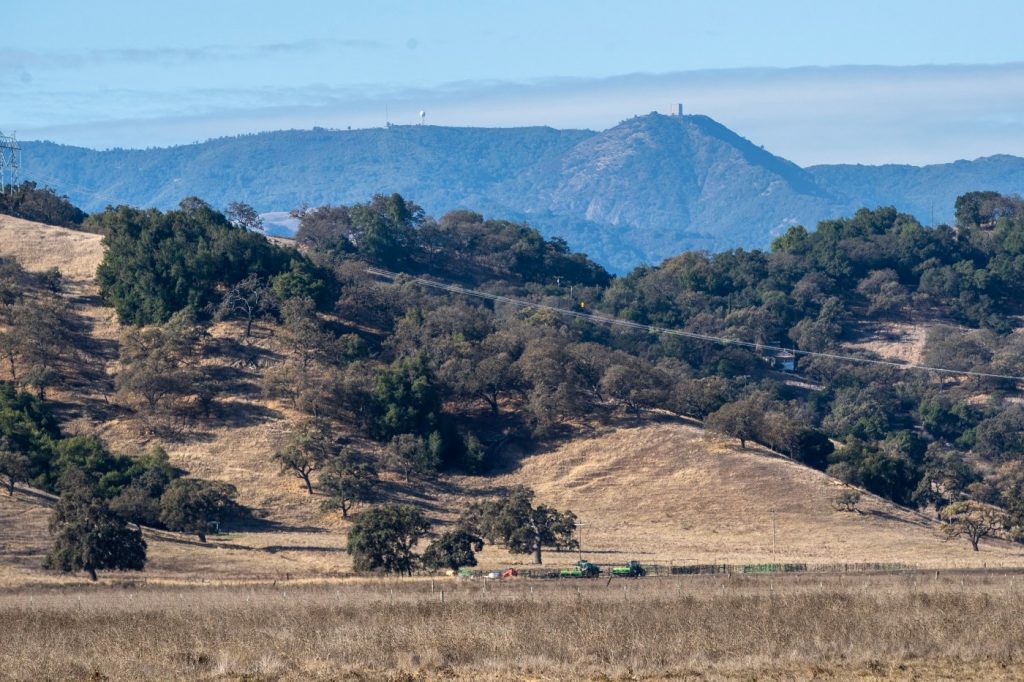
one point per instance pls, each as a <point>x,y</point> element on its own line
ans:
<point>782,360</point>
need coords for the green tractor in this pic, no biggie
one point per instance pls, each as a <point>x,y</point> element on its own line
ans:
<point>631,570</point>
<point>582,569</point>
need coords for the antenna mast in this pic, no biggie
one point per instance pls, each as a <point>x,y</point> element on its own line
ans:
<point>10,161</point>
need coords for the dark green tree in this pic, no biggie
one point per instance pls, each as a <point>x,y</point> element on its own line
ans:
<point>413,455</point>
<point>139,500</point>
<point>384,538</point>
<point>190,505</point>
<point>89,537</point>
<point>43,205</point>
<point>156,264</point>
<point>15,466</point>
<point>453,550</point>
<point>406,399</point>
<point>385,229</point>
<point>348,480</point>
<point>302,279</point>
<point>887,474</point>
<point>524,529</point>
<point>1001,437</point>
<point>976,208</point>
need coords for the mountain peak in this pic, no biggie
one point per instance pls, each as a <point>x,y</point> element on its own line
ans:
<point>641,191</point>
<point>700,125</point>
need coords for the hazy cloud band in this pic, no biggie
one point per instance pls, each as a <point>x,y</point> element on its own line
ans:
<point>865,114</point>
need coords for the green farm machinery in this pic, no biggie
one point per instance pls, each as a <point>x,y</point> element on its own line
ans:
<point>582,569</point>
<point>631,570</point>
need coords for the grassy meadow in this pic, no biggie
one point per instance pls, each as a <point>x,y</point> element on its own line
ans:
<point>912,626</point>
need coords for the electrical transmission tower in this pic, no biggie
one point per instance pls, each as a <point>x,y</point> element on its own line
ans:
<point>10,161</point>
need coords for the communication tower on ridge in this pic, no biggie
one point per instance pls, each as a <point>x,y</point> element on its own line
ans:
<point>10,161</point>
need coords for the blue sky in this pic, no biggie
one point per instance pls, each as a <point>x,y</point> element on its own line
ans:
<point>816,81</point>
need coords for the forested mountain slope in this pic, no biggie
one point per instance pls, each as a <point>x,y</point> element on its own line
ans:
<point>639,192</point>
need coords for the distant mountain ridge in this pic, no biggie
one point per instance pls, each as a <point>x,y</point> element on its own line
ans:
<point>641,191</point>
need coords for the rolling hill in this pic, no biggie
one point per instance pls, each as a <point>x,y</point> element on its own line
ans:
<point>658,491</point>
<point>641,191</point>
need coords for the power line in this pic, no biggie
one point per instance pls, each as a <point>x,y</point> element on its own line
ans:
<point>64,187</point>
<point>653,329</point>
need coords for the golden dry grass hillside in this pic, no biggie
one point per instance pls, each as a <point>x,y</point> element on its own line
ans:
<point>658,492</point>
<point>897,341</point>
<point>39,247</point>
<point>672,493</point>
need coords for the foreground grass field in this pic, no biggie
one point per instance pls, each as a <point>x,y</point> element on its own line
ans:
<point>888,627</point>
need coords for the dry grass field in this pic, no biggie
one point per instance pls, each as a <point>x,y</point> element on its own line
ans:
<point>905,627</point>
<point>897,341</point>
<point>671,493</point>
<point>39,247</point>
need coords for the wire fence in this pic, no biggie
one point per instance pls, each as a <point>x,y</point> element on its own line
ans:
<point>666,570</point>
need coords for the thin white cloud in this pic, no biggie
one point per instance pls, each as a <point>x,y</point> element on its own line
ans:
<point>55,59</point>
<point>857,114</point>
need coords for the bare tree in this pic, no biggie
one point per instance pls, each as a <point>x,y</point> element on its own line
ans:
<point>846,501</point>
<point>250,299</point>
<point>245,216</point>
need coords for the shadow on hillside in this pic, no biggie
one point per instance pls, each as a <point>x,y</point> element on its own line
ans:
<point>449,487</point>
<point>889,516</point>
<point>419,493</point>
<point>245,520</point>
<point>239,356</point>
<point>32,495</point>
<point>588,550</point>
<point>519,448</point>
<point>193,541</point>
<point>235,381</point>
<point>274,549</point>
<point>83,365</point>
<point>241,414</point>
<point>175,432</point>
<point>92,407</point>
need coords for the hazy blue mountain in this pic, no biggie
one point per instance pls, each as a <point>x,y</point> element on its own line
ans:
<point>641,191</point>
<point>926,191</point>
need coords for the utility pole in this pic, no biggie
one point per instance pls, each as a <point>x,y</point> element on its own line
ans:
<point>579,539</point>
<point>774,556</point>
